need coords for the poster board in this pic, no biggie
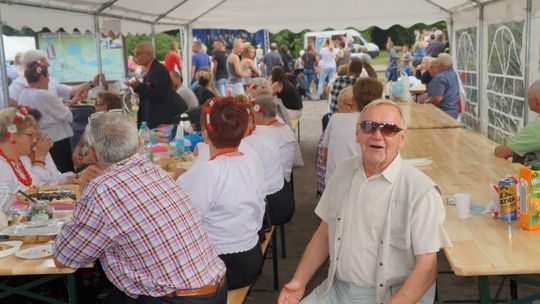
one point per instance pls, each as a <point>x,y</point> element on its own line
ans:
<point>73,58</point>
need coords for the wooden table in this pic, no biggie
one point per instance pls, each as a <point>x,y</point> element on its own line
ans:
<point>427,116</point>
<point>464,161</point>
<point>14,266</point>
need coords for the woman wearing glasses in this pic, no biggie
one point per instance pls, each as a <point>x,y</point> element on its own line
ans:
<point>228,190</point>
<point>18,137</point>
<point>105,101</point>
<point>56,115</point>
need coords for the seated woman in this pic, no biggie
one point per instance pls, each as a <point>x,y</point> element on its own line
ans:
<point>203,90</point>
<point>228,191</point>
<point>81,156</point>
<point>289,152</point>
<point>18,136</point>
<point>285,90</point>
<point>56,115</point>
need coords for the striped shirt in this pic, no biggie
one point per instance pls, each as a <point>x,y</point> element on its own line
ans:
<point>143,228</point>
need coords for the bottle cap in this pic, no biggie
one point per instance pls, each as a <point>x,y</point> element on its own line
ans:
<point>535,166</point>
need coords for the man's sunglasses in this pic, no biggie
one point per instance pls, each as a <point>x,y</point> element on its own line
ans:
<point>387,129</point>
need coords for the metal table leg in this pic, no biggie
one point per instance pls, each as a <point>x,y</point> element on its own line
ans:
<point>483,286</point>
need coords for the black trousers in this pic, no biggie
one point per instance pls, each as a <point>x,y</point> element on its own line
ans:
<point>243,268</point>
<point>118,297</point>
<point>61,155</point>
<point>281,205</point>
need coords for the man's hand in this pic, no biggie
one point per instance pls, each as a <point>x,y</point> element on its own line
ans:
<point>133,83</point>
<point>291,293</point>
<point>87,175</point>
<point>504,152</point>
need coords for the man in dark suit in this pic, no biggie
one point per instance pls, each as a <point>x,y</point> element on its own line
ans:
<point>159,103</point>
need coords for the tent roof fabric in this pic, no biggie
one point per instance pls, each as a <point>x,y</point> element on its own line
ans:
<point>138,16</point>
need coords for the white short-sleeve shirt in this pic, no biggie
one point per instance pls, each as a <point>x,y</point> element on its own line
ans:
<point>228,193</point>
<point>48,175</point>
<point>289,152</point>
<point>9,184</point>
<point>56,88</point>
<point>340,139</point>
<point>56,117</point>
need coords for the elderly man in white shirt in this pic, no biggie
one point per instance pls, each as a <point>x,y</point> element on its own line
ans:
<point>382,223</point>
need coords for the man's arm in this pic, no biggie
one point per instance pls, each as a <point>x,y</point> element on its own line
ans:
<point>193,71</point>
<point>316,253</point>
<point>419,281</point>
<point>503,152</point>
<point>434,100</point>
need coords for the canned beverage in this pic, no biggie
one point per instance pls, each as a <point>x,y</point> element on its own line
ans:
<point>508,200</point>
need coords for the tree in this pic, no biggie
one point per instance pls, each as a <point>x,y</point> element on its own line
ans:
<point>163,42</point>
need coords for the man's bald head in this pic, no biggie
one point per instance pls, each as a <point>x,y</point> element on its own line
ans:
<point>534,96</point>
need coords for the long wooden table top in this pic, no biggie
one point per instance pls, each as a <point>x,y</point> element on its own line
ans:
<point>12,265</point>
<point>427,116</point>
<point>464,161</point>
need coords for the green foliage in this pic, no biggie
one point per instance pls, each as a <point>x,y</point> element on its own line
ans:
<point>399,34</point>
<point>163,42</point>
<point>295,41</point>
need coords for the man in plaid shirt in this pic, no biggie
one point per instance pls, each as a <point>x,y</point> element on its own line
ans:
<point>133,217</point>
<point>355,69</point>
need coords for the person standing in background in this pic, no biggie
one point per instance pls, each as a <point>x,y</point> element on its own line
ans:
<point>271,58</point>
<point>328,65</point>
<point>219,58</point>
<point>199,59</point>
<point>172,58</point>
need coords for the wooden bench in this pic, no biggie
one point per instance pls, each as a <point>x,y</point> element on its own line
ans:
<point>238,296</point>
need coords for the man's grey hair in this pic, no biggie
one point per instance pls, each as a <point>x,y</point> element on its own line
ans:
<point>33,55</point>
<point>364,58</point>
<point>259,86</point>
<point>534,90</point>
<point>445,60</point>
<point>438,34</point>
<point>268,105</point>
<point>379,102</point>
<point>147,47</point>
<point>113,137</point>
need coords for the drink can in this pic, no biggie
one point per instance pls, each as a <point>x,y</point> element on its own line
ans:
<point>508,200</point>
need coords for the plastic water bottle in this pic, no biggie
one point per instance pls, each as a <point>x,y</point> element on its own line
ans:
<point>186,124</point>
<point>179,139</point>
<point>144,132</point>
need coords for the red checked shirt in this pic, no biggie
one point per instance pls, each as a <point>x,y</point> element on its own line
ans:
<point>143,228</point>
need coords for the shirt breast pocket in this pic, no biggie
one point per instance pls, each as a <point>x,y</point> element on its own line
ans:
<point>401,253</point>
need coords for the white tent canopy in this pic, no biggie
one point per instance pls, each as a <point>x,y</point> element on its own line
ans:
<point>138,16</point>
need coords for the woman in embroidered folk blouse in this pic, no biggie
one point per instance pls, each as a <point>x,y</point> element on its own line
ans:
<point>228,191</point>
<point>18,136</point>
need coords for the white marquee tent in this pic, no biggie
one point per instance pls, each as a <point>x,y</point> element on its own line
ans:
<point>496,43</point>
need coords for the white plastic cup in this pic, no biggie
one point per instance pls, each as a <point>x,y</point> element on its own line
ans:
<point>463,205</point>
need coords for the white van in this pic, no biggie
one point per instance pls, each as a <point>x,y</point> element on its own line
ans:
<point>359,42</point>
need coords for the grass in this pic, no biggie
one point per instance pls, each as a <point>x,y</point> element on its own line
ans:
<point>382,59</point>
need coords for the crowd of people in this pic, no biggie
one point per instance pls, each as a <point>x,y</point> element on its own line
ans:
<point>190,237</point>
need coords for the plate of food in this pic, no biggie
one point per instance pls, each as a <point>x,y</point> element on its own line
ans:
<point>9,247</point>
<point>57,193</point>
<point>34,231</point>
<point>36,252</point>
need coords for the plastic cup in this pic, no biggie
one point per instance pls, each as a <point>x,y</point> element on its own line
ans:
<point>463,205</point>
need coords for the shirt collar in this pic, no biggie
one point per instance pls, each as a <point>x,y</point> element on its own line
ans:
<point>390,173</point>
<point>147,67</point>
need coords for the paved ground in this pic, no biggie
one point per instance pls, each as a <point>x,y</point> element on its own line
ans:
<point>300,229</point>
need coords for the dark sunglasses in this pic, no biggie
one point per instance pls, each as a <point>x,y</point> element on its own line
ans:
<point>387,130</point>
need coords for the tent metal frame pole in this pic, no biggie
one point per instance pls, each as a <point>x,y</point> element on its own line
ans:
<point>440,7</point>
<point>3,67</point>
<point>482,124</point>
<point>206,12</point>
<point>97,32</point>
<point>106,6</point>
<point>189,42</point>
<point>87,12</point>
<point>161,16</point>
<point>153,36</point>
<point>526,78</point>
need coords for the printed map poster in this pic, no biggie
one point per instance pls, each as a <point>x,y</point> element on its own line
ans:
<point>73,58</point>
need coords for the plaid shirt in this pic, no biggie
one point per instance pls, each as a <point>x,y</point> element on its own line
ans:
<point>341,83</point>
<point>143,228</point>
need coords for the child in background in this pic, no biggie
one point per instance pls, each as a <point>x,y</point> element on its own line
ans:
<point>406,60</point>
<point>393,64</point>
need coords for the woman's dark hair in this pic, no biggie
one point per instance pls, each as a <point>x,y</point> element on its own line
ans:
<point>278,74</point>
<point>371,71</point>
<point>35,113</point>
<point>203,81</point>
<point>228,121</point>
<point>34,70</point>
<point>111,100</point>
<point>365,90</point>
